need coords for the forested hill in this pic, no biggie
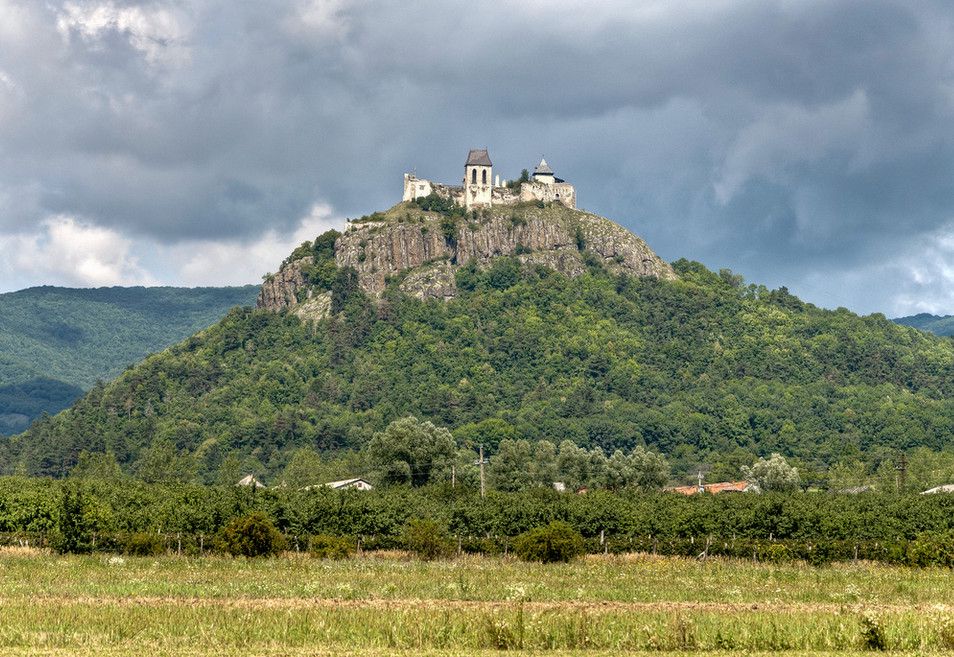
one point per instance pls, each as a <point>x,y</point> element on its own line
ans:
<point>936,324</point>
<point>698,365</point>
<point>57,342</point>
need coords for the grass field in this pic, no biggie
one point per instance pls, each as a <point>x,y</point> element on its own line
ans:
<point>390,605</point>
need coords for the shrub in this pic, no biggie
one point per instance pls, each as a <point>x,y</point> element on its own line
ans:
<point>343,288</point>
<point>427,539</point>
<point>144,544</point>
<point>945,634</point>
<point>580,238</point>
<point>872,634</point>
<point>449,230</point>
<point>253,535</point>
<point>556,542</point>
<point>504,273</point>
<point>324,546</point>
<point>436,203</point>
<point>932,549</point>
<point>321,273</point>
<point>74,533</point>
<point>777,553</point>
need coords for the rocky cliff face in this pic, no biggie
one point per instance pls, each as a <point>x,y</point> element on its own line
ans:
<point>427,248</point>
<point>282,290</point>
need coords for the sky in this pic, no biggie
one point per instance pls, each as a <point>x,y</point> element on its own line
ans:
<point>804,143</point>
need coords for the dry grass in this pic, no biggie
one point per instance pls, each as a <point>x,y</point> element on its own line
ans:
<point>22,551</point>
<point>388,604</point>
<point>156,651</point>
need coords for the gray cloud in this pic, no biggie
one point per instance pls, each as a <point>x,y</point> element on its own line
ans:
<point>801,143</point>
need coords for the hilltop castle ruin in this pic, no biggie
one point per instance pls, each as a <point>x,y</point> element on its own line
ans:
<point>479,188</point>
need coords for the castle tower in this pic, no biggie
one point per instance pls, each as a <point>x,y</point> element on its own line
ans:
<point>543,173</point>
<point>478,179</point>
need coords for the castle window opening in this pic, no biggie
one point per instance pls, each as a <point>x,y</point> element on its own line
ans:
<point>484,177</point>
<point>473,176</point>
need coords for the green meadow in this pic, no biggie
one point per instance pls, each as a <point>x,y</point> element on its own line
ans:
<point>391,604</point>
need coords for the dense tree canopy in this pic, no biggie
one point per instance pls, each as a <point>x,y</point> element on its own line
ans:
<point>704,370</point>
<point>773,474</point>
<point>411,452</point>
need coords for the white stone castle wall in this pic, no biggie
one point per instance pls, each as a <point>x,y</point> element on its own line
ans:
<point>557,192</point>
<point>415,187</point>
<point>564,193</point>
<point>504,196</point>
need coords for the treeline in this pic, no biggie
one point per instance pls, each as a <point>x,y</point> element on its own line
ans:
<point>416,453</point>
<point>188,517</point>
<point>705,370</point>
<point>412,452</point>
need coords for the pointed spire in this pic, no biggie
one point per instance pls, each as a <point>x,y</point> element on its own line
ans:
<point>478,157</point>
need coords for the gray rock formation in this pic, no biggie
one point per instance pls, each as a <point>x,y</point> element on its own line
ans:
<point>427,248</point>
<point>432,281</point>
<point>281,290</point>
<point>314,308</point>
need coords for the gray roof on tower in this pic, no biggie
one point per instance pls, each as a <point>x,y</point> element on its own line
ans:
<point>543,168</point>
<point>478,157</point>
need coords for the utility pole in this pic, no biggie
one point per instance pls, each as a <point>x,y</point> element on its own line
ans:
<point>902,468</point>
<point>453,476</point>
<point>482,488</point>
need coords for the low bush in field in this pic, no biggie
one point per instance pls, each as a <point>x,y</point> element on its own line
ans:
<point>73,533</point>
<point>872,633</point>
<point>945,634</point>
<point>552,543</point>
<point>932,549</point>
<point>253,535</point>
<point>324,546</point>
<point>144,544</point>
<point>427,539</point>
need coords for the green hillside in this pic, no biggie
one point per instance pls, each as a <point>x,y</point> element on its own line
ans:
<point>705,369</point>
<point>57,342</point>
<point>936,324</point>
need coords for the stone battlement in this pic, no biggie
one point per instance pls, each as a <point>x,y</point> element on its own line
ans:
<point>480,189</point>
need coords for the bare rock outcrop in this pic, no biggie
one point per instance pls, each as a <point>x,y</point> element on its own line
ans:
<point>315,308</point>
<point>281,290</point>
<point>427,249</point>
<point>620,249</point>
<point>433,281</point>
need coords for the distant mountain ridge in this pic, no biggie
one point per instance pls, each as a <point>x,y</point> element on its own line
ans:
<point>936,324</point>
<point>57,342</point>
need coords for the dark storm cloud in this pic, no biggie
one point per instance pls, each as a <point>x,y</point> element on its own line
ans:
<point>802,143</point>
